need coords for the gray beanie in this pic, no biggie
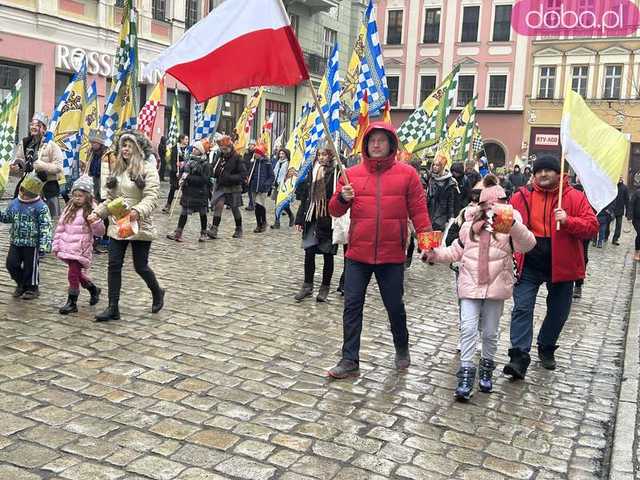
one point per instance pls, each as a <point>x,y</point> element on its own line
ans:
<point>84,184</point>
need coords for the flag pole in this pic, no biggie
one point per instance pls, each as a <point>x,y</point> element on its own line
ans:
<point>343,171</point>
<point>561,189</point>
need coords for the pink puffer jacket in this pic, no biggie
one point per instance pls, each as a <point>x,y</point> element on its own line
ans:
<point>74,241</point>
<point>501,276</point>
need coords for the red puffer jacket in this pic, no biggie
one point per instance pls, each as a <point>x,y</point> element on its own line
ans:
<point>567,250</point>
<point>386,194</point>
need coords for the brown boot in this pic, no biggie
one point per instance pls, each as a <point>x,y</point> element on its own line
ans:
<point>176,235</point>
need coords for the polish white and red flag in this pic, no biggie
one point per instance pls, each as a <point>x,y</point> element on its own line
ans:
<point>241,43</point>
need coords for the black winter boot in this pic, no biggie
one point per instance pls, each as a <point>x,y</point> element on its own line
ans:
<point>323,293</point>
<point>305,291</point>
<point>547,356</point>
<point>72,303</point>
<point>518,364</point>
<point>486,375</point>
<point>112,312</point>
<point>158,300</point>
<point>212,232</point>
<point>466,378</point>
<point>94,292</point>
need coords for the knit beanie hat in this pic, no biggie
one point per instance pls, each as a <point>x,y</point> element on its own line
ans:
<point>32,183</point>
<point>42,118</point>
<point>203,146</point>
<point>84,184</point>
<point>546,162</point>
<point>98,136</point>
<point>225,141</point>
<point>492,194</point>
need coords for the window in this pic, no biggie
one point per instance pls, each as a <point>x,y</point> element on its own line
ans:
<point>159,9</point>
<point>394,27</point>
<point>393,82</point>
<point>497,90</point>
<point>579,80</point>
<point>231,110</point>
<point>502,23</point>
<point>427,85</point>
<point>62,80</point>
<point>465,89</point>
<point>470,19</point>
<point>280,120</point>
<point>295,21</point>
<point>330,39</point>
<point>184,102</point>
<point>191,13</point>
<point>214,4</point>
<point>9,74</point>
<point>431,26</point>
<point>612,81</point>
<point>547,82</point>
<point>120,3</point>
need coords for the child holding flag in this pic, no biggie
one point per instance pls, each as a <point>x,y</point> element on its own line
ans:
<point>73,242</point>
<point>485,281</point>
<point>30,235</point>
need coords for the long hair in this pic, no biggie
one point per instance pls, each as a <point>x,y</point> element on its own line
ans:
<point>481,213</point>
<point>71,209</point>
<point>134,166</point>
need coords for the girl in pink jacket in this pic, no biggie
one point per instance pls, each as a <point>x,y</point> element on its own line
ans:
<point>486,280</point>
<point>73,242</point>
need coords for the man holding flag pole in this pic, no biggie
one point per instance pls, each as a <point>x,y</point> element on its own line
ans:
<point>561,218</point>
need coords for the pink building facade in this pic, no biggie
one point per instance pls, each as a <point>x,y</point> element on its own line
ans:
<point>423,40</point>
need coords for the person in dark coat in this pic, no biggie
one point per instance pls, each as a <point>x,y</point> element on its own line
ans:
<point>315,223</point>
<point>247,160</point>
<point>506,185</point>
<point>471,179</point>
<point>260,184</point>
<point>633,214</point>
<point>517,178</point>
<point>440,196</point>
<point>162,154</point>
<point>176,161</point>
<point>620,206</point>
<point>229,174</point>
<point>457,172</point>
<point>195,187</point>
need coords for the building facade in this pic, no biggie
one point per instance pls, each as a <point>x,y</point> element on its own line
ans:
<point>43,41</point>
<point>423,40</point>
<point>606,72</point>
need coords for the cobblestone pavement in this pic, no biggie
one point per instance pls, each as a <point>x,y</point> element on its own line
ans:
<point>228,381</point>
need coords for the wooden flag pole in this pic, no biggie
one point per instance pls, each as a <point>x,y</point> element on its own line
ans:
<point>560,191</point>
<point>316,100</point>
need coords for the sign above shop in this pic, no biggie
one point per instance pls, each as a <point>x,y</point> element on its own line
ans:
<point>547,139</point>
<point>101,64</point>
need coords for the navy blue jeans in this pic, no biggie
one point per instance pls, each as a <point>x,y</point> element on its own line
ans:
<point>524,301</point>
<point>390,278</point>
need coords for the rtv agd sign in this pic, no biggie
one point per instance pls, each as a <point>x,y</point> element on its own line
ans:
<point>578,18</point>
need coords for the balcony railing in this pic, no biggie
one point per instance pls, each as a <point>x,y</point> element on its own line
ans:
<point>316,64</point>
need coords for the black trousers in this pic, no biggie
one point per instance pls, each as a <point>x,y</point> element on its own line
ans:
<point>390,278</point>
<point>618,230</point>
<point>117,251</point>
<point>23,264</point>
<point>310,267</point>
<point>182,221</point>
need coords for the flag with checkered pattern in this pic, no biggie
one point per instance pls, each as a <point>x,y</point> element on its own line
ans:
<point>477,143</point>
<point>209,118</point>
<point>427,125</point>
<point>372,77</point>
<point>174,126</point>
<point>147,115</point>
<point>8,126</point>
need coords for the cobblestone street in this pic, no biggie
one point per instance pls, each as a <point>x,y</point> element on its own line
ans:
<point>229,380</point>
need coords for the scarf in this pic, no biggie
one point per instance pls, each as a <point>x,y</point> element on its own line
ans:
<point>318,194</point>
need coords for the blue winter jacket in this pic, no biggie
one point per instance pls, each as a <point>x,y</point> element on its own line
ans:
<point>262,176</point>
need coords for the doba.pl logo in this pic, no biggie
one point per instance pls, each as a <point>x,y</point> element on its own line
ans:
<point>578,18</point>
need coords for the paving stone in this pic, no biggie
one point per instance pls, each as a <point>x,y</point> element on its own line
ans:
<point>254,449</point>
<point>85,471</point>
<point>195,455</point>
<point>215,439</point>
<point>198,474</point>
<point>242,468</point>
<point>173,429</point>
<point>10,424</point>
<point>155,467</point>
<point>511,469</point>
<point>9,472</point>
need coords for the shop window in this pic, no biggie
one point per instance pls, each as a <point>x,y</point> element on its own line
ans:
<point>10,73</point>
<point>184,102</point>
<point>280,120</point>
<point>231,110</point>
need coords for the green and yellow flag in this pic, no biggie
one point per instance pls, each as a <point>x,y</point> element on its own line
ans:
<point>174,126</point>
<point>245,122</point>
<point>455,146</point>
<point>8,127</point>
<point>427,125</point>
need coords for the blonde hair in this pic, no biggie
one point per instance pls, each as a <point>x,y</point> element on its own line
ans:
<point>135,165</point>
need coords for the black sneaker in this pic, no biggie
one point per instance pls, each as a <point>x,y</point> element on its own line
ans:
<point>17,293</point>
<point>403,359</point>
<point>345,368</point>
<point>547,356</point>
<point>30,294</point>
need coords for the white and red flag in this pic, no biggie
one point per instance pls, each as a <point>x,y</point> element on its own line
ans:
<point>147,115</point>
<point>241,43</point>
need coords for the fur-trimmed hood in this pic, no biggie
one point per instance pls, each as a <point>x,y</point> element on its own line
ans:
<point>142,142</point>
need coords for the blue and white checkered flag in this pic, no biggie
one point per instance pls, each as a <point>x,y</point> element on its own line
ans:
<point>119,113</point>
<point>372,76</point>
<point>71,146</point>
<point>198,108</point>
<point>209,117</point>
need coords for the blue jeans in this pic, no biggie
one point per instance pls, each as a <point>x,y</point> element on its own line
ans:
<point>602,233</point>
<point>390,278</point>
<point>524,301</point>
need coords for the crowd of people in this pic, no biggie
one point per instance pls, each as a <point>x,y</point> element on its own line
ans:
<point>376,209</point>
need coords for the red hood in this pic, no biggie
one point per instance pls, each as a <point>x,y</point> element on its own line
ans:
<point>379,164</point>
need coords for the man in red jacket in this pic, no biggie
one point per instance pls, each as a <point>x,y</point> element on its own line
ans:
<point>557,260</point>
<point>382,195</point>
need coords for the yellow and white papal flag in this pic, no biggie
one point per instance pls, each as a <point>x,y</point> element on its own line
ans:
<point>594,149</point>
